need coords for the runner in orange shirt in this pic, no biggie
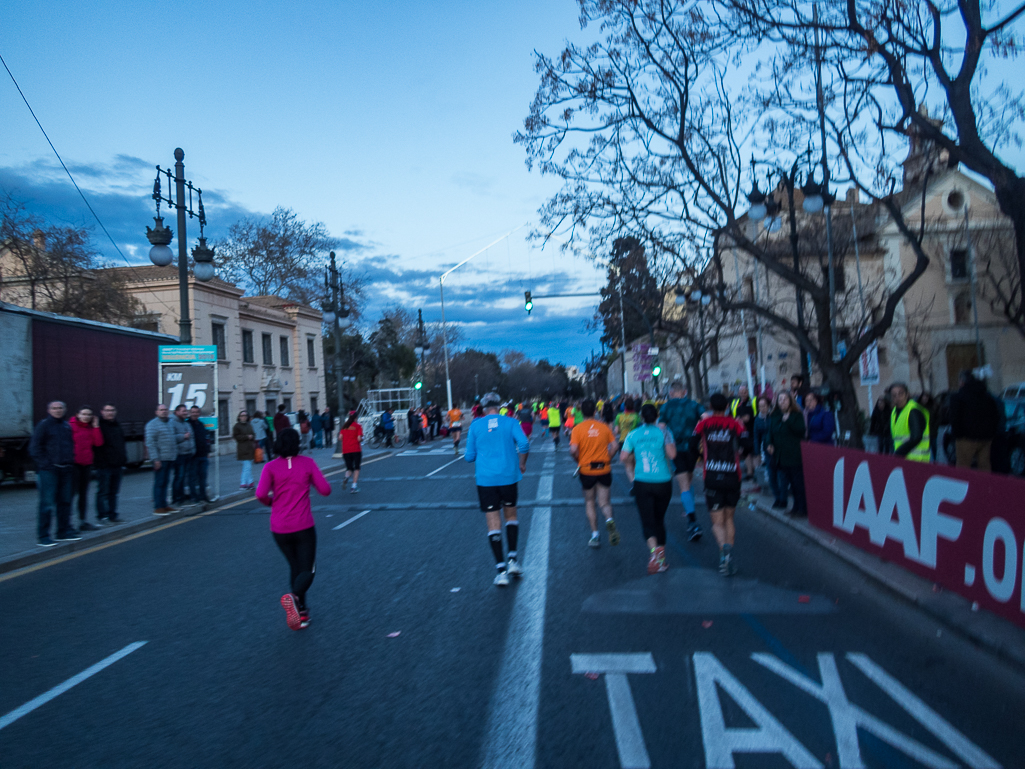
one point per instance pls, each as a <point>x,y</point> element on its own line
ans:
<point>593,446</point>
<point>455,427</point>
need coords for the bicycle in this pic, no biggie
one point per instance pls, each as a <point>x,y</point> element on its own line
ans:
<point>379,437</point>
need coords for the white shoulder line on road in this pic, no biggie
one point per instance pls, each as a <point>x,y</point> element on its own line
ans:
<point>512,720</point>
<point>58,690</point>
<point>354,518</point>
<point>432,472</point>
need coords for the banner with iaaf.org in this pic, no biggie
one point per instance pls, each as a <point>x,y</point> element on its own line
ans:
<point>962,529</point>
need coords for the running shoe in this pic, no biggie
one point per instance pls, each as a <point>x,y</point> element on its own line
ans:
<point>660,557</point>
<point>653,562</point>
<point>513,568</point>
<point>304,619</point>
<point>502,578</point>
<point>46,542</point>
<point>290,605</point>
<point>355,489</point>
<point>726,567</point>
<point>594,541</point>
<point>610,525</point>
<point>694,532</point>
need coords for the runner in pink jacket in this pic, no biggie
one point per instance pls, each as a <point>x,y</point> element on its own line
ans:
<point>285,486</point>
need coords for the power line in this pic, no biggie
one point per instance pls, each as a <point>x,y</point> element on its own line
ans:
<point>72,178</point>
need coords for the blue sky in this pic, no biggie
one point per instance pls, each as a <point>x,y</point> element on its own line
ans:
<point>391,123</point>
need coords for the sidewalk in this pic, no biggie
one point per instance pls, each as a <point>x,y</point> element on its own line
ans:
<point>979,626</point>
<point>19,505</point>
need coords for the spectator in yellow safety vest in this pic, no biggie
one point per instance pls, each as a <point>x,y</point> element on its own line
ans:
<point>909,425</point>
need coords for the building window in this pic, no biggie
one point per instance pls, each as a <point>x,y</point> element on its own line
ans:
<point>248,353</point>
<point>251,407</point>
<point>959,264</point>
<point>713,352</point>
<point>268,357</point>
<point>287,403</point>
<point>313,404</point>
<point>749,289</point>
<point>284,351</point>
<point>310,350</point>
<point>219,341</point>
<point>884,358</point>
<point>223,422</point>
<point>963,308</point>
<point>272,406</point>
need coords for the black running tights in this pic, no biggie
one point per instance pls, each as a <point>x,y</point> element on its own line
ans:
<point>652,502</point>
<point>300,548</point>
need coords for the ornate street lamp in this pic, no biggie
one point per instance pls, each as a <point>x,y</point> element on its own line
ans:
<point>160,237</point>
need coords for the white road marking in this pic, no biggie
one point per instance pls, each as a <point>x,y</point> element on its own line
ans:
<point>58,690</point>
<point>633,753</point>
<point>721,743</point>
<point>847,718</point>
<point>512,721</point>
<point>356,517</point>
<point>967,750</point>
<point>432,472</point>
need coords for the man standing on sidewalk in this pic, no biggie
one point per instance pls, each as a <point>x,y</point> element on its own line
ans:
<point>109,460</point>
<point>499,448</point>
<point>53,450</point>
<point>327,424</point>
<point>201,459</point>
<point>186,451</point>
<point>162,447</point>
<point>680,414</point>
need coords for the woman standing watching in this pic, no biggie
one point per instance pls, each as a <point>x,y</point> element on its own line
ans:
<point>245,448</point>
<point>761,441</point>
<point>351,439</point>
<point>652,481</point>
<point>86,434</point>
<point>285,486</point>
<point>786,431</point>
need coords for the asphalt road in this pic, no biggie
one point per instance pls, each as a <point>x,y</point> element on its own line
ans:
<point>586,662</point>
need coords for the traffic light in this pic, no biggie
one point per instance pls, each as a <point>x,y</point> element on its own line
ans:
<point>528,303</point>
<point>417,385</point>
<point>656,370</point>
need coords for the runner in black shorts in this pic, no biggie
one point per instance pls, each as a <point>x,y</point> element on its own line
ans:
<point>593,446</point>
<point>720,439</point>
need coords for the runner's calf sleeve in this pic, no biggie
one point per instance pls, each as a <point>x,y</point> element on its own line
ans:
<point>687,498</point>
<point>512,533</point>
<point>495,538</point>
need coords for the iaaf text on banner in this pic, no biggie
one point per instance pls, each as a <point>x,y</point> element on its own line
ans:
<point>960,528</point>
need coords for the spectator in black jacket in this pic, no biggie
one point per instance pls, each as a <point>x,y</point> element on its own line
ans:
<point>200,460</point>
<point>53,450</point>
<point>108,462</point>
<point>974,421</point>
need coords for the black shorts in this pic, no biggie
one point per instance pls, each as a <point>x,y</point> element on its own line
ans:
<point>717,499</point>
<point>353,460</point>
<point>590,481</point>
<point>684,461</point>
<point>455,431</point>
<point>494,497</point>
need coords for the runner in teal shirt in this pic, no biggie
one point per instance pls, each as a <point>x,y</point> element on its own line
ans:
<point>648,453</point>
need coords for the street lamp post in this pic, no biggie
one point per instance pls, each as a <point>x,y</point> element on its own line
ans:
<point>336,315</point>
<point>160,236</point>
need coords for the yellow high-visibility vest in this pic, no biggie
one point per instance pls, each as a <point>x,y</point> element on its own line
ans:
<point>736,404</point>
<point>901,432</point>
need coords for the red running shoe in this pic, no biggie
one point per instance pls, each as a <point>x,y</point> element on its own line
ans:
<point>288,601</point>
<point>304,619</point>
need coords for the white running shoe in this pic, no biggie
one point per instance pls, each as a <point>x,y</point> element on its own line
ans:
<point>594,541</point>
<point>513,568</point>
<point>502,579</point>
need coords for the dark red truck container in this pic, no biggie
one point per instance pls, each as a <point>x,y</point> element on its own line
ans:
<point>47,357</point>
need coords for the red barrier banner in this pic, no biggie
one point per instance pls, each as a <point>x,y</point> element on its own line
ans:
<point>962,529</point>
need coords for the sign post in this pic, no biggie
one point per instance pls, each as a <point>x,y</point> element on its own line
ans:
<point>188,377</point>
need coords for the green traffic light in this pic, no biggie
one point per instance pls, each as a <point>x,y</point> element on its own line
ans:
<point>657,371</point>
<point>529,306</point>
<point>418,385</point>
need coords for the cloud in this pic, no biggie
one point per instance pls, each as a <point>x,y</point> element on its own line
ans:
<point>474,182</point>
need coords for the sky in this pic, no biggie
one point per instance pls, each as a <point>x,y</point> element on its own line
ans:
<point>391,123</point>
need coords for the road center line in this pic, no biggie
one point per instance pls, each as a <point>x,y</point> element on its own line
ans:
<point>512,721</point>
<point>432,472</point>
<point>58,690</point>
<point>354,518</point>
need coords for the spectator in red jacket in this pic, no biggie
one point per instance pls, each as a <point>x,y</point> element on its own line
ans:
<point>281,420</point>
<point>86,434</point>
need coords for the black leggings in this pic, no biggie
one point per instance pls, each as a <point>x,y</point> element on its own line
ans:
<point>300,548</point>
<point>652,502</point>
<point>83,474</point>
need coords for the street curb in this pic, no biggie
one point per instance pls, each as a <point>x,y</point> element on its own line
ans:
<point>952,610</point>
<point>112,534</point>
